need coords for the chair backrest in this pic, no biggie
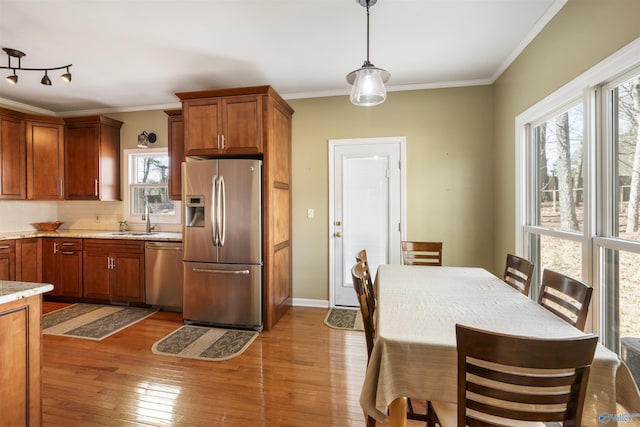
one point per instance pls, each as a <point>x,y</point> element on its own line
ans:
<point>361,258</point>
<point>565,297</point>
<point>551,374</point>
<point>518,273</point>
<point>358,276</point>
<point>421,253</point>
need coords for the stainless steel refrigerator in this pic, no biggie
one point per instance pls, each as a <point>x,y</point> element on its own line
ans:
<point>222,240</point>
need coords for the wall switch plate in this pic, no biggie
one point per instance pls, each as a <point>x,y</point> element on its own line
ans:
<point>310,213</point>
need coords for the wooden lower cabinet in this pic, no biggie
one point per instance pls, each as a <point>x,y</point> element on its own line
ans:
<point>29,260</point>
<point>113,270</point>
<point>20,358</point>
<point>62,266</point>
<point>7,259</point>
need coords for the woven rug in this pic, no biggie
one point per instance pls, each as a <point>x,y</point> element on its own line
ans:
<point>344,318</point>
<point>92,321</point>
<point>204,343</point>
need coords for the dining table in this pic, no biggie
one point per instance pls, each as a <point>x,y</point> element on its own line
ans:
<point>414,353</point>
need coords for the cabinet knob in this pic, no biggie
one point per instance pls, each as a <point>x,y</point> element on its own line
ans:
<point>338,234</point>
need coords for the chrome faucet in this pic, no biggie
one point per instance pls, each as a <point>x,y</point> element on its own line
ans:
<point>147,215</point>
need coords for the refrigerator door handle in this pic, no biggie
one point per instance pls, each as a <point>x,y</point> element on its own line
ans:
<point>214,216</point>
<point>222,212</point>
<point>213,270</point>
<point>218,202</point>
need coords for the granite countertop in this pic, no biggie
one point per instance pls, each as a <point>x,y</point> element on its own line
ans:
<point>12,291</point>
<point>96,234</point>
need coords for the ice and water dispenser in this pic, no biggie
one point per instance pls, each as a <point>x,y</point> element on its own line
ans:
<point>194,211</point>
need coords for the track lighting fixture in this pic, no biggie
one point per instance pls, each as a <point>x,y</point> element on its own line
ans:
<point>368,81</point>
<point>13,79</point>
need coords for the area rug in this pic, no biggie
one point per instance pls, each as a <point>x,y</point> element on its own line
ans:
<point>344,318</point>
<point>204,343</point>
<point>92,321</point>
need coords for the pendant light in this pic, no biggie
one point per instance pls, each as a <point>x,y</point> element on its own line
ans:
<point>368,81</point>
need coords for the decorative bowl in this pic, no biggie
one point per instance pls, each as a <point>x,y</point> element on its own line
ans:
<point>48,226</point>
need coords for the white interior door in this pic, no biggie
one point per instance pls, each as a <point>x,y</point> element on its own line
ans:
<point>366,208</point>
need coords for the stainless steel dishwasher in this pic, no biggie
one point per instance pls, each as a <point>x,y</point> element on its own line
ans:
<point>163,275</point>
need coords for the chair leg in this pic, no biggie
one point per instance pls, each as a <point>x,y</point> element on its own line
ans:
<point>412,415</point>
<point>371,422</point>
<point>432,418</point>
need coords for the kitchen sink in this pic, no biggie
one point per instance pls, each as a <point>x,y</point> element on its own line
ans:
<point>132,233</point>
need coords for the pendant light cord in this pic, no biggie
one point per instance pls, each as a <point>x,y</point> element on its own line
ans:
<point>368,32</point>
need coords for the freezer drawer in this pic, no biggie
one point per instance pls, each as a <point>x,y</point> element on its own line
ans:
<point>223,295</point>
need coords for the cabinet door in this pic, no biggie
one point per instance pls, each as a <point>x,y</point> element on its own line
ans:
<point>29,260</point>
<point>21,362</point>
<point>7,260</point>
<point>128,277</point>
<point>202,126</point>
<point>12,158</point>
<point>176,156</point>
<point>95,273</point>
<point>45,160</point>
<point>82,154</point>
<point>243,125</point>
<point>70,272</point>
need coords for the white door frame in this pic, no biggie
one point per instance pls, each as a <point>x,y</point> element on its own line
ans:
<point>332,144</point>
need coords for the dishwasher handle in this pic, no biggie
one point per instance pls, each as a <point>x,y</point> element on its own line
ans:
<point>165,248</point>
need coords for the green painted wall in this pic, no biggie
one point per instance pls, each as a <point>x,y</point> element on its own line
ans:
<point>582,34</point>
<point>449,173</point>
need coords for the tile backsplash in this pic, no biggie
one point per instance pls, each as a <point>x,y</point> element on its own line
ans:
<point>19,215</point>
<point>80,215</point>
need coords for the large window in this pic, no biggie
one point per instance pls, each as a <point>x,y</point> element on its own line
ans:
<point>578,171</point>
<point>148,172</point>
<point>555,220</point>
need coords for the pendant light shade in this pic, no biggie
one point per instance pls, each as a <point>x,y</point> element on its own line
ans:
<point>368,81</point>
<point>368,85</point>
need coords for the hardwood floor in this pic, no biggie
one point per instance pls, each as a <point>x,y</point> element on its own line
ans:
<point>301,373</point>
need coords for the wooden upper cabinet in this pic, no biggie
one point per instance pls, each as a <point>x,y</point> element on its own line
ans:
<point>176,153</point>
<point>92,161</point>
<point>224,122</point>
<point>45,158</point>
<point>12,156</point>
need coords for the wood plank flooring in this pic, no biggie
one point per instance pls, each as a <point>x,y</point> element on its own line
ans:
<point>301,373</point>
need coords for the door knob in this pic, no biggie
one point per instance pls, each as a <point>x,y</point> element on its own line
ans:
<point>338,234</point>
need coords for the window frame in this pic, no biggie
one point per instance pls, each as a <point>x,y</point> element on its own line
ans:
<point>592,87</point>
<point>176,218</point>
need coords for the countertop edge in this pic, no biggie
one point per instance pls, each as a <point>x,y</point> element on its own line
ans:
<point>13,291</point>
<point>92,234</point>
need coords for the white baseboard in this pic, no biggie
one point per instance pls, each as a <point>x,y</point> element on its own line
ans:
<point>304,302</point>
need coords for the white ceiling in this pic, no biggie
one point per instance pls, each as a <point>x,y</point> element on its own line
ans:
<point>135,54</point>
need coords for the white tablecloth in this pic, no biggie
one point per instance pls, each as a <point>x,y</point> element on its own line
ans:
<point>415,350</point>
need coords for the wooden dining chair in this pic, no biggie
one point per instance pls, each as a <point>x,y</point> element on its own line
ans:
<point>359,275</point>
<point>495,370</point>
<point>565,297</point>
<point>421,253</point>
<point>361,258</point>
<point>359,285</point>
<point>518,273</point>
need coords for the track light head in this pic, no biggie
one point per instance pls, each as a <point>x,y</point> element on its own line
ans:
<point>13,79</point>
<point>46,80</point>
<point>66,77</point>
